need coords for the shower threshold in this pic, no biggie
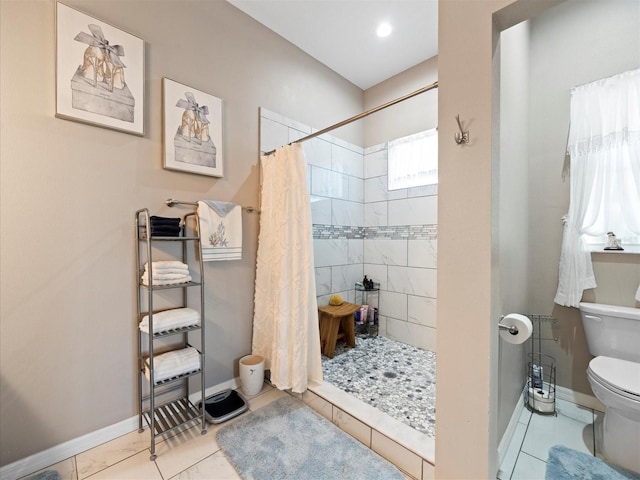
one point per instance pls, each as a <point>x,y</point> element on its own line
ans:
<point>418,443</point>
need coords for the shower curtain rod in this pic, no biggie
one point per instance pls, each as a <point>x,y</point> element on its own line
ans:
<point>363,114</point>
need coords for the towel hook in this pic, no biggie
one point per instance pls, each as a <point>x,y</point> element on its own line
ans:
<point>462,136</point>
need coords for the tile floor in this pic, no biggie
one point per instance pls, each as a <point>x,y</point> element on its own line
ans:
<point>393,377</point>
<point>187,455</point>
<point>574,427</point>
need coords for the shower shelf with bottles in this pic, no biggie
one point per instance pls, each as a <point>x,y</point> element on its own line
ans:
<point>540,391</point>
<point>367,293</point>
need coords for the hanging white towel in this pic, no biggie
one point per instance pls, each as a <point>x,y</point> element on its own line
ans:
<point>220,230</point>
<point>170,320</point>
<point>173,364</point>
<point>230,254</point>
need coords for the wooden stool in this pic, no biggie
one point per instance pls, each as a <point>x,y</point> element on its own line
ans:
<point>336,321</point>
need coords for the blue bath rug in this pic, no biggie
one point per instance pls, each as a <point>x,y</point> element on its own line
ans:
<point>287,440</point>
<point>567,464</point>
<point>46,475</point>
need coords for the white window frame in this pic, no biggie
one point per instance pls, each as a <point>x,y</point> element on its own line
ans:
<point>412,161</point>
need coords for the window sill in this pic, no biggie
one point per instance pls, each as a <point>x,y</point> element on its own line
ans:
<point>628,249</point>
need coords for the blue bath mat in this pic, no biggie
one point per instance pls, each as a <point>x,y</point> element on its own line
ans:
<point>287,440</point>
<point>567,464</point>
<point>46,475</point>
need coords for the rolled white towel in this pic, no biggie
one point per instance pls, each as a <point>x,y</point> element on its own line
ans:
<point>170,319</point>
<point>174,363</point>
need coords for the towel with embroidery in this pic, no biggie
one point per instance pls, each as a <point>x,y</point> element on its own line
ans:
<point>220,230</point>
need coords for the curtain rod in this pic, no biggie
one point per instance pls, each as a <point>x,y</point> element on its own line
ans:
<point>363,114</point>
<point>171,203</point>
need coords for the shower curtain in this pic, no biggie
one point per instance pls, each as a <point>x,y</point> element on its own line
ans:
<point>285,322</point>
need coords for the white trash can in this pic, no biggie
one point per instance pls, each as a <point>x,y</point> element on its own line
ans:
<point>251,374</point>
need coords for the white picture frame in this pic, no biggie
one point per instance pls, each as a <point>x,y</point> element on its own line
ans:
<point>192,130</point>
<point>99,73</point>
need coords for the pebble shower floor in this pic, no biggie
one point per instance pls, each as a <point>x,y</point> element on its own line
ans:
<point>395,378</point>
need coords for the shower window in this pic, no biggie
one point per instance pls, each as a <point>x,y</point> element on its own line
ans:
<point>413,160</point>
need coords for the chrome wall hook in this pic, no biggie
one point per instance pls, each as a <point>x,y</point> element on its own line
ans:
<point>463,136</point>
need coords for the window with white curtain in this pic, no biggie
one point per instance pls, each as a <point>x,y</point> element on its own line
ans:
<point>610,207</point>
<point>413,160</point>
<point>604,154</point>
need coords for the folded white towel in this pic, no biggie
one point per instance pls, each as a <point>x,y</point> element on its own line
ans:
<point>165,276</point>
<point>167,271</point>
<point>173,364</point>
<point>170,319</point>
<point>220,229</point>
<point>176,281</point>
<point>167,264</point>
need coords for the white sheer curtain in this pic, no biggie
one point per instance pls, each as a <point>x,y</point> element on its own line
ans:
<point>604,150</point>
<point>285,322</point>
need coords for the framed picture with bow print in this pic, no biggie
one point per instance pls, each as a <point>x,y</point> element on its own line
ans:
<point>99,73</point>
<point>192,130</point>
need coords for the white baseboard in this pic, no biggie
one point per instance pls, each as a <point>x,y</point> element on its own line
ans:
<point>563,393</point>
<point>582,399</point>
<point>68,449</point>
<point>511,428</point>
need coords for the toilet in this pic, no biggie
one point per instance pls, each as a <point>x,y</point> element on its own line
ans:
<point>613,337</point>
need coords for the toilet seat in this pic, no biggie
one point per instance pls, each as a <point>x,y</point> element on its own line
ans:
<point>619,376</point>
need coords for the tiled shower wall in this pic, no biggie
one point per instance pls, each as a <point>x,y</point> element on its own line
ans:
<point>360,228</point>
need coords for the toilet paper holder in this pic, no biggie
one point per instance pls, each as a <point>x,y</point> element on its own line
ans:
<point>512,329</point>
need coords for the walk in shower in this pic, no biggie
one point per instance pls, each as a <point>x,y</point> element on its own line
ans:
<point>361,228</point>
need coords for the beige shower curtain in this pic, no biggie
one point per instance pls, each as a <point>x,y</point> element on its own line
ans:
<point>285,321</point>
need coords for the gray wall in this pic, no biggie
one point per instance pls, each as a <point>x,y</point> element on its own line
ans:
<point>411,116</point>
<point>69,193</point>
<point>573,43</point>
<point>540,61</point>
<point>511,211</point>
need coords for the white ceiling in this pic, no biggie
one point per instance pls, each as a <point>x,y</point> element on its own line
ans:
<point>342,33</point>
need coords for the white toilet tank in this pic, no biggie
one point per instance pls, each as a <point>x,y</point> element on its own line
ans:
<point>612,331</point>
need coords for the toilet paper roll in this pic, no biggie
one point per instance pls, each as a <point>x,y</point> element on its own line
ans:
<point>522,323</point>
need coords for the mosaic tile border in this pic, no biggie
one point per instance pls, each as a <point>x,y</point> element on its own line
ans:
<point>396,232</point>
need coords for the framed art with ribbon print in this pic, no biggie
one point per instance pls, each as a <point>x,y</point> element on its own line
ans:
<point>192,130</point>
<point>99,73</point>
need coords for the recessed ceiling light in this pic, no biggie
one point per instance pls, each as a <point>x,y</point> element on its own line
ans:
<point>384,30</point>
